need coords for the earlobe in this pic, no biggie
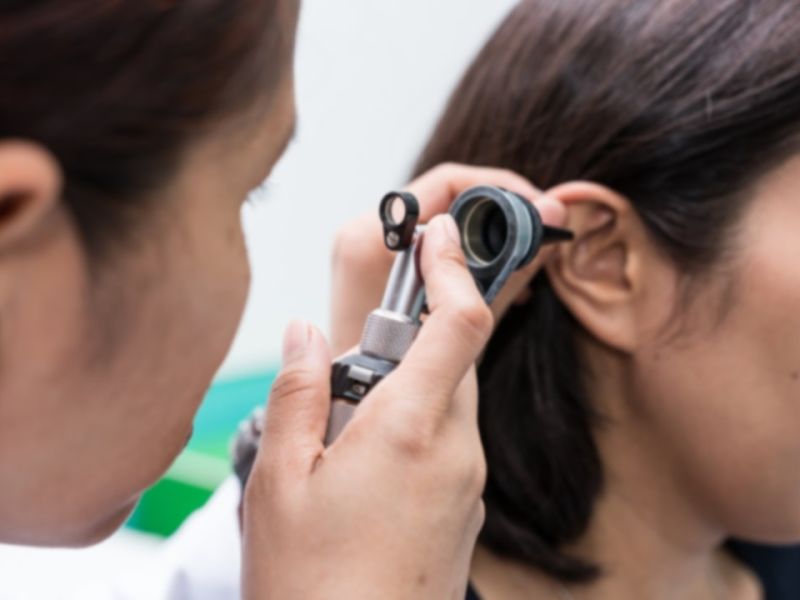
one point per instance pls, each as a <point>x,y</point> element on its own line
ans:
<point>596,275</point>
<point>30,190</point>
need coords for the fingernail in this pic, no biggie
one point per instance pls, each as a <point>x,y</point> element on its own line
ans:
<point>295,340</point>
<point>451,229</point>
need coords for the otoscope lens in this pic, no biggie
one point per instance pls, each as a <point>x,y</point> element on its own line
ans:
<point>485,230</point>
<point>495,231</point>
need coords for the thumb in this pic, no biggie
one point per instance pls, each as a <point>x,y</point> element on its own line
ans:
<point>299,402</point>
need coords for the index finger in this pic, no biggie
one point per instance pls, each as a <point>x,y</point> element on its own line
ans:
<point>436,189</point>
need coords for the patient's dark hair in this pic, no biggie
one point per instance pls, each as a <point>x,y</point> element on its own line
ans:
<point>679,105</point>
<point>116,88</point>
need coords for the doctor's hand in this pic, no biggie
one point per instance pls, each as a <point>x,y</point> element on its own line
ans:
<point>392,508</point>
<point>361,262</point>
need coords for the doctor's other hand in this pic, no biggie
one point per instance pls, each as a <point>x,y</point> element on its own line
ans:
<point>392,508</point>
<point>361,262</point>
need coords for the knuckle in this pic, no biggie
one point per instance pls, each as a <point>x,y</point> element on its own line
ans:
<point>473,317</point>
<point>293,381</point>
<point>348,245</point>
<point>445,171</point>
<point>453,255</point>
<point>412,443</point>
<point>508,174</point>
<point>471,472</point>
<point>480,516</point>
<point>479,474</point>
<point>446,166</point>
<point>342,246</point>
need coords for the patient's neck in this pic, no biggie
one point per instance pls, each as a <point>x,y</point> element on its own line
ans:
<point>647,535</point>
<point>645,548</point>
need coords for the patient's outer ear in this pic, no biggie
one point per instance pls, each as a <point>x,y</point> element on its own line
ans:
<point>599,275</point>
<point>30,190</point>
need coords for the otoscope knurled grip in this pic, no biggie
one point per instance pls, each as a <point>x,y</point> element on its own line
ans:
<point>385,341</point>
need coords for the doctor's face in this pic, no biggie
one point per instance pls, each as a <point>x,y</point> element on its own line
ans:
<point>105,360</point>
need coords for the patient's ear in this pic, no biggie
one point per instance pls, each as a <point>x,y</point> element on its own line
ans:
<point>30,189</point>
<point>598,275</point>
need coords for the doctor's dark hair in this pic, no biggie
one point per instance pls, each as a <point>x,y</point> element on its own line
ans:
<point>115,89</point>
<point>680,106</point>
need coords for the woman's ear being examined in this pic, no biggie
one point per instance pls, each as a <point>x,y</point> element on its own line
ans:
<point>607,275</point>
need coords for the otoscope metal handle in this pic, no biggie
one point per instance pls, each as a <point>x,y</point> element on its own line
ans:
<point>341,413</point>
<point>391,329</point>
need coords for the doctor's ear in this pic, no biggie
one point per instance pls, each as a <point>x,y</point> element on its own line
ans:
<point>30,190</point>
<point>599,275</point>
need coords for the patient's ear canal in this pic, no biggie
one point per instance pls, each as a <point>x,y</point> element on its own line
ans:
<point>10,202</point>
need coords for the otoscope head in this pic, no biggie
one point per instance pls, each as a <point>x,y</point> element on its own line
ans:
<point>500,233</point>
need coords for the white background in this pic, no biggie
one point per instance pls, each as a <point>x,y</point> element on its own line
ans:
<point>372,79</point>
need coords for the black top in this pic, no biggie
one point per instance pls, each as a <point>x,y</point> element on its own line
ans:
<point>472,594</point>
<point>777,568</point>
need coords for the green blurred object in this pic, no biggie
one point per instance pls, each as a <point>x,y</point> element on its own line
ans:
<point>205,462</point>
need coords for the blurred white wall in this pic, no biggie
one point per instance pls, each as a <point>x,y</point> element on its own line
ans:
<point>372,78</point>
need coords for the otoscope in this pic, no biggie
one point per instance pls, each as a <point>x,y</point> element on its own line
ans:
<point>501,232</point>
